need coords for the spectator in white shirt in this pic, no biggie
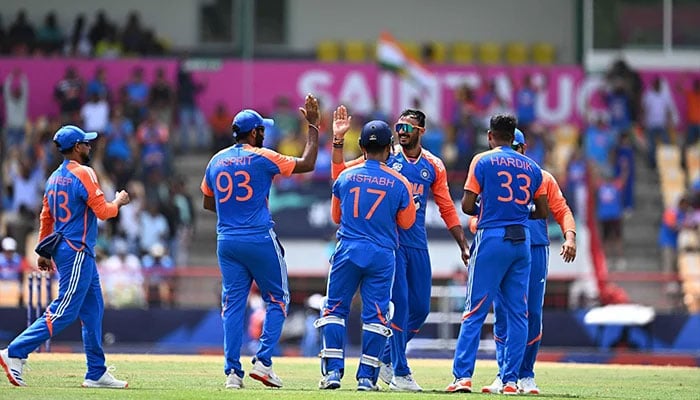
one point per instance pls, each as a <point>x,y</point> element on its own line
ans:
<point>153,228</point>
<point>95,113</point>
<point>16,97</point>
<point>657,109</point>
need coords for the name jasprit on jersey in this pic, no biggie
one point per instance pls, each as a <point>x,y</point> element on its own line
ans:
<point>377,180</point>
<point>244,160</point>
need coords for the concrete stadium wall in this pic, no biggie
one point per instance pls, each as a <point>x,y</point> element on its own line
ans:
<point>445,20</point>
<point>174,20</point>
<point>310,21</point>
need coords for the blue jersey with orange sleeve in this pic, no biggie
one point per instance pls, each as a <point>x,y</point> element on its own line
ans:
<point>507,181</point>
<point>426,173</point>
<point>239,180</point>
<point>559,209</point>
<point>369,201</point>
<point>72,203</point>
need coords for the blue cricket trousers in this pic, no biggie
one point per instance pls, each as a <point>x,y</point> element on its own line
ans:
<point>371,267</point>
<point>535,302</point>
<point>411,298</point>
<point>242,261</point>
<point>496,265</point>
<point>79,296</point>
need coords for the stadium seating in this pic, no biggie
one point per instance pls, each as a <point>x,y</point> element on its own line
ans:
<point>543,54</point>
<point>462,53</point>
<point>438,52</point>
<point>692,163</point>
<point>9,293</point>
<point>412,49</point>
<point>328,51</point>
<point>490,53</point>
<point>517,53</point>
<point>355,51</point>
<point>689,273</point>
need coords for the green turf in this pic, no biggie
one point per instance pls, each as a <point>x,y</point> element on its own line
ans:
<point>58,376</point>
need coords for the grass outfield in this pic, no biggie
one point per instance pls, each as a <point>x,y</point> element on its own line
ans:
<point>58,376</point>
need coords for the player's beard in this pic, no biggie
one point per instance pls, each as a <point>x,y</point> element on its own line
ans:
<point>259,139</point>
<point>412,144</point>
<point>84,158</point>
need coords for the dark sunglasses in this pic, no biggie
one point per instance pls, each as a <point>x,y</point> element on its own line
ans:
<point>260,128</point>
<point>404,127</point>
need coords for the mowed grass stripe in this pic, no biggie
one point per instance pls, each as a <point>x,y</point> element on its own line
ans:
<point>58,376</point>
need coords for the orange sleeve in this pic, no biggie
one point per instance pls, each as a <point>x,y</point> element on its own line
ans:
<point>557,204</point>
<point>670,217</point>
<point>473,222</point>
<point>472,184</point>
<point>542,190</point>
<point>337,168</point>
<point>96,198</point>
<point>286,164</point>
<point>335,209</point>
<point>441,193</point>
<point>45,220</point>
<point>406,217</point>
<point>205,188</point>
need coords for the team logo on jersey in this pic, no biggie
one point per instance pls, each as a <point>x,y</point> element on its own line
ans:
<point>397,167</point>
<point>425,174</point>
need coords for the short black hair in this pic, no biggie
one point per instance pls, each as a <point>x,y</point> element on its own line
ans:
<point>503,126</point>
<point>418,115</point>
<point>375,148</point>
<point>237,134</point>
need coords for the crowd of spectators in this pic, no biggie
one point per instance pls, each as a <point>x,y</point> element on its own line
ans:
<point>138,136</point>
<point>102,38</point>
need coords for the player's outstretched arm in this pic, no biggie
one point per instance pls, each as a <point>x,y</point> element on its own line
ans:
<point>311,113</point>
<point>469,202</point>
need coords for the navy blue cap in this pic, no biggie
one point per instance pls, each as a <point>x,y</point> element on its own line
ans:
<point>248,119</point>
<point>519,138</point>
<point>70,135</point>
<point>376,133</point>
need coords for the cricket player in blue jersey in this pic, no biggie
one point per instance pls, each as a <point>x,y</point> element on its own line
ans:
<point>413,278</point>
<point>539,250</point>
<point>236,186</point>
<point>507,182</point>
<point>370,202</point>
<point>72,203</point>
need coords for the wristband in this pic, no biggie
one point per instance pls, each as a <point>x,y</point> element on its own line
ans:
<point>338,145</point>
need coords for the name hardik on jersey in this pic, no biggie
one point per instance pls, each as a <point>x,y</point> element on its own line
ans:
<point>506,181</point>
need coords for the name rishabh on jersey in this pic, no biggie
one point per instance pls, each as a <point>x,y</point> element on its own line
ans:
<point>425,174</point>
<point>369,199</point>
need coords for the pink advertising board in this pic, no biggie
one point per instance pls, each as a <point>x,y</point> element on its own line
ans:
<point>566,90</point>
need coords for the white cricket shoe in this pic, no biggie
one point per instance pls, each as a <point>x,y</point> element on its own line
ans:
<point>495,388</point>
<point>386,372</point>
<point>13,368</point>
<point>528,386</point>
<point>265,375</point>
<point>234,381</point>
<point>404,384</point>
<point>106,381</point>
<point>510,388</point>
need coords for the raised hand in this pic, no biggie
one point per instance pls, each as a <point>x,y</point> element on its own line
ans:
<point>310,110</point>
<point>341,122</point>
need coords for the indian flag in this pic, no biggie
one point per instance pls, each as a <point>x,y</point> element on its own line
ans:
<point>392,57</point>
